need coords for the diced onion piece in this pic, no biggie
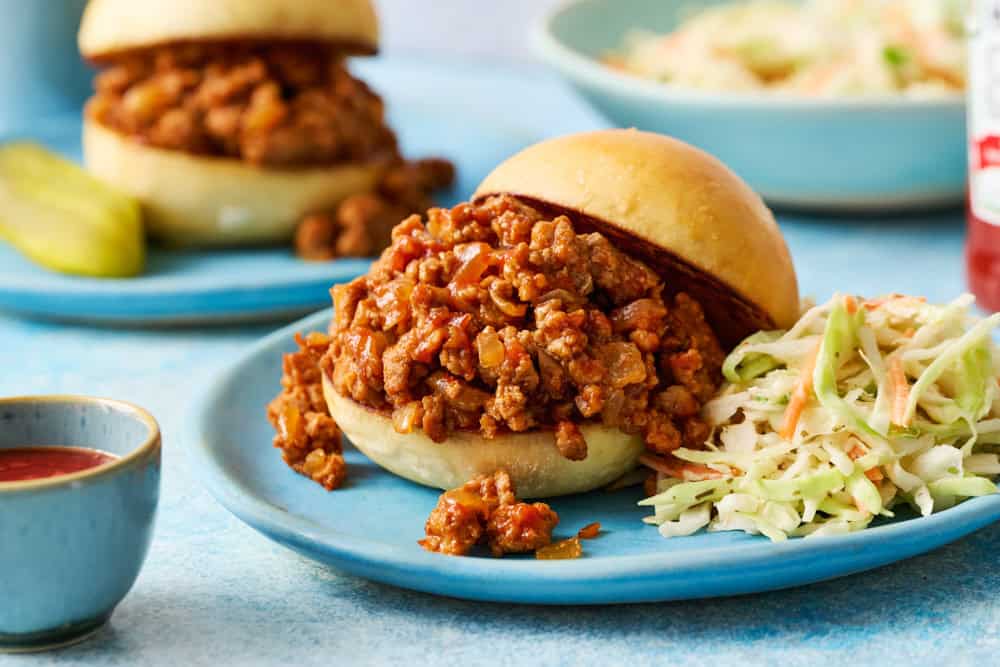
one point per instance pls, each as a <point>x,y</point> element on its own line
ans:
<point>563,550</point>
<point>475,258</point>
<point>503,301</point>
<point>490,349</point>
<point>406,417</point>
<point>624,363</point>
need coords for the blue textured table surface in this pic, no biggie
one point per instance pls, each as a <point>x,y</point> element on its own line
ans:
<point>215,592</point>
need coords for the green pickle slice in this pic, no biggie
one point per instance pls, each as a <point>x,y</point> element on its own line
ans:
<point>61,217</point>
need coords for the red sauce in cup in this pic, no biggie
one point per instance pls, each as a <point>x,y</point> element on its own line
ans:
<point>23,463</point>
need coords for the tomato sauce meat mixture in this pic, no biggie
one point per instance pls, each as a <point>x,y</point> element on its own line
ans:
<point>362,224</point>
<point>485,510</point>
<point>284,105</point>
<point>307,436</point>
<point>495,317</point>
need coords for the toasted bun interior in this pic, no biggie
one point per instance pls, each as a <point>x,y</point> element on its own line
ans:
<point>113,26</point>
<point>531,458</point>
<point>199,200</point>
<point>674,206</point>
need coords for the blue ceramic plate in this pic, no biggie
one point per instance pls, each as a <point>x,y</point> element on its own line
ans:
<point>870,153</point>
<point>371,526</point>
<point>471,114</point>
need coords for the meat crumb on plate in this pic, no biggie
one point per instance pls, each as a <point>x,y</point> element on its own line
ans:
<point>485,510</point>
<point>309,439</point>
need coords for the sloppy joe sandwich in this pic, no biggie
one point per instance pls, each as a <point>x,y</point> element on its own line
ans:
<point>568,320</point>
<point>231,120</point>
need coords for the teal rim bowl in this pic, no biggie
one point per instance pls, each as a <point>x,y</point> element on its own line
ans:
<point>71,546</point>
<point>853,153</point>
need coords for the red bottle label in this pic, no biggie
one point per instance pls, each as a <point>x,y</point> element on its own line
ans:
<point>984,110</point>
<point>988,152</point>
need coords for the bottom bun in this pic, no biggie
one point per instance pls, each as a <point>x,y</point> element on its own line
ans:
<point>199,200</point>
<point>535,465</point>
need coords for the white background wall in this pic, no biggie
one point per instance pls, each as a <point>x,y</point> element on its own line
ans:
<point>472,28</point>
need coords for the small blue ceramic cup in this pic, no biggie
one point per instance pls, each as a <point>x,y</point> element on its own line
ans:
<point>41,72</point>
<point>71,546</point>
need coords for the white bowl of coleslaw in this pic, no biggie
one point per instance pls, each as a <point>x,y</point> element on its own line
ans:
<point>861,120</point>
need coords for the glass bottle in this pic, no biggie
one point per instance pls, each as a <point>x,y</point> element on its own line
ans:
<point>983,101</point>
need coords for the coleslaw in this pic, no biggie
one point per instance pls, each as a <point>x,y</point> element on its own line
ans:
<point>860,408</point>
<point>816,48</point>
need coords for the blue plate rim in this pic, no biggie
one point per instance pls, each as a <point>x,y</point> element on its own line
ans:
<point>440,574</point>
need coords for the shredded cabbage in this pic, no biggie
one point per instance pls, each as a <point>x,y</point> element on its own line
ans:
<point>815,48</point>
<point>860,444</point>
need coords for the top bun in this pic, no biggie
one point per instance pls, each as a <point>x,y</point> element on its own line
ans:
<point>675,207</point>
<point>113,26</point>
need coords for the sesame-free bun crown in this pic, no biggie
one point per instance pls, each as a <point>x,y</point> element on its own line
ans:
<point>672,205</point>
<point>114,26</point>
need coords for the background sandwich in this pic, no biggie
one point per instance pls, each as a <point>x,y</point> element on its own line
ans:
<point>230,121</point>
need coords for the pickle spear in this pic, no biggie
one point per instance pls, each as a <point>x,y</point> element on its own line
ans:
<point>63,218</point>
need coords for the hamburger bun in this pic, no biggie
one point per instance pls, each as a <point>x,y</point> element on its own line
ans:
<point>200,200</point>
<point>673,206</point>
<point>114,26</point>
<point>682,211</point>
<point>535,465</point>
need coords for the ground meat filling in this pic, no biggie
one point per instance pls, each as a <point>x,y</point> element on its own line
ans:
<point>281,105</point>
<point>485,510</point>
<point>307,436</point>
<point>497,318</point>
<point>361,225</point>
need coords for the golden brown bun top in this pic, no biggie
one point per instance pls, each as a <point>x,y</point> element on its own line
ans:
<point>672,205</point>
<point>113,26</point>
